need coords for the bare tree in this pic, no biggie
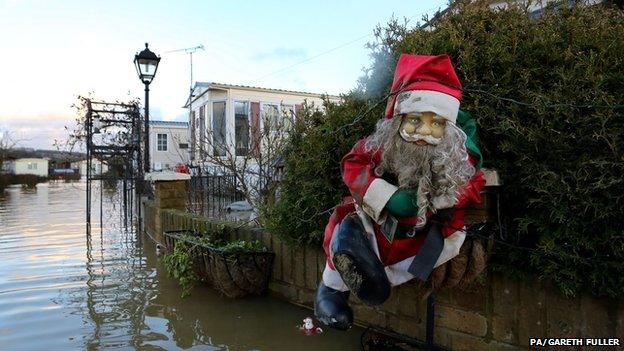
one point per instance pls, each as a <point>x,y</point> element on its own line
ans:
<point>7,143</point>
<point>253,155</point>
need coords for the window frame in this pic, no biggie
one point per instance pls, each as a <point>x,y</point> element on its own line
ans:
<point>225,128</point>
<point>262,116</point>
<point>293,118</point>
<point>248,102</point>
<point>202,114</point>
<point>158,142</point>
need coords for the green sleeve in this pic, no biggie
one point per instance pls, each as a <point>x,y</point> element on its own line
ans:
<point>469,126</point>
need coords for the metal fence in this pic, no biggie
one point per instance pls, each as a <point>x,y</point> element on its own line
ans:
<point>209,195</point>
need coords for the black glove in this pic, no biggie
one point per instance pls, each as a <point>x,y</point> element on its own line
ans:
<point>443,215</point>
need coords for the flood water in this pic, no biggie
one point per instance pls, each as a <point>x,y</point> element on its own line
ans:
<point>60,291</point>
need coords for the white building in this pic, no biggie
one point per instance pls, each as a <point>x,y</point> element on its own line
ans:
<point>227,113</point>
<point>97,167</point>
<point>36,166</point>
<point>169,144</point>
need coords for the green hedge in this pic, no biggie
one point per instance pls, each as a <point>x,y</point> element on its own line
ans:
<point>30,180</point>
<point>312,183</point>
<point>547,95</point>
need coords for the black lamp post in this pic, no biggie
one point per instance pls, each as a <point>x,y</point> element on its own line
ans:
<point>146,63</point>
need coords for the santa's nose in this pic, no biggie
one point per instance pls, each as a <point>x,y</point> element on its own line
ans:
<point>423,129</point>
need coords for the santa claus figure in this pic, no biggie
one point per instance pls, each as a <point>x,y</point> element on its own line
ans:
<point>408,183</point>
<point>309,328</point>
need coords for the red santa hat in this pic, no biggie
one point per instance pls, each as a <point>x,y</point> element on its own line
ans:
<point>425,83</point>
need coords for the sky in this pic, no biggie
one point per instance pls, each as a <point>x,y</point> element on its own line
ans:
<point>53,51</point>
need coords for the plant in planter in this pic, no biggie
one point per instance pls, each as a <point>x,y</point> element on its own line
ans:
<point>235,268</point>
<point>179,265</point>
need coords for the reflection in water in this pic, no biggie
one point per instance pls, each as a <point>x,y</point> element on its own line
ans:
<point>60,291</point>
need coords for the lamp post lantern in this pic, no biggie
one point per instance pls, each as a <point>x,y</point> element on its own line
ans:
<point>146,63</point>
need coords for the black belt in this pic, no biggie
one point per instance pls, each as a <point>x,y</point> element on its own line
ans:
<point>425,259</point>
<point>406,231</point>
<point>392,229</point>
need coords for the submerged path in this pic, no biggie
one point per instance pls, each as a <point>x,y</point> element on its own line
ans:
<point>59,291</point>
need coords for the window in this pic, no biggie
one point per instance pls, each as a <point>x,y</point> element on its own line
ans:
<point>270,117</point>
<point>288,116</point>
<point>202,129</point>
<point>241,127</point>
<point>183,145</point>
<point>161,142</point>
<point>193,137</point>
<point>218,128</point>
<point>32,165</point>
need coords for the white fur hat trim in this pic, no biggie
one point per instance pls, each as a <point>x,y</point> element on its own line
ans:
<point>443,105</point>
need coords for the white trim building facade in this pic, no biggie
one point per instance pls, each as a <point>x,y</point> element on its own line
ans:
<point>231,111</point>
<point>169,144</point>
<point>36,166</point>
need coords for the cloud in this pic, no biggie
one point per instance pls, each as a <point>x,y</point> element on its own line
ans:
<point>38,133</point>
<point>182,117</point>
<point>281,53</point>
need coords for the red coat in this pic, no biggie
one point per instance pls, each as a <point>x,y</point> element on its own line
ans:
<point>370,193</point>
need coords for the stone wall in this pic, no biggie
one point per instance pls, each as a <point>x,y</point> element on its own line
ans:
<point>495,314</point>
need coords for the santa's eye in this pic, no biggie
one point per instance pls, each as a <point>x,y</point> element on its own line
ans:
<point>436,124</point>
<point>414,122</point>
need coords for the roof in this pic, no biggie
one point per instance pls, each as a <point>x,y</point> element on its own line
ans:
<point>224,86</point>
<point>31,159</point>
<point>169,123</point>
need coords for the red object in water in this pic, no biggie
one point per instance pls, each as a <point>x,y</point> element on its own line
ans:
<point>309,328</point>
<point>181,168</point>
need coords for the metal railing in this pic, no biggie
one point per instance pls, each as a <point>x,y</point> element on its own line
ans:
<point>209,195</point>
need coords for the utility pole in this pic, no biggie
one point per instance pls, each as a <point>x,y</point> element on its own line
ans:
<point>190,51</point>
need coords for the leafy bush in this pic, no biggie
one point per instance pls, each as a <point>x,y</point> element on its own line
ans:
<point>312,183</point>
<point>547,94</point>
<point>179,265</point>
<point>242,246</point>
<point>29,180</point>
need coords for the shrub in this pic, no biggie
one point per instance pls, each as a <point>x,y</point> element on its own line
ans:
<point>180,266</point>
<point>547,94</point>
<point>312,183</point>
<point>29,180</point>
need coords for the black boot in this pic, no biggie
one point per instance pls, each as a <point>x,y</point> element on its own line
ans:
<point>331,307</point>
<point>357,264</point>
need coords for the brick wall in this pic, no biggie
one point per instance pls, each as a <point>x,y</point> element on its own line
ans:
<point>494,314</point>
<point>168,195</point>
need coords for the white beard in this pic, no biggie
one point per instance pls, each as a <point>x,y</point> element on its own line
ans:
<point>437,172</point>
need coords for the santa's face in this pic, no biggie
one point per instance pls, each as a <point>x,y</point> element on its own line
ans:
<point>422,128</point>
